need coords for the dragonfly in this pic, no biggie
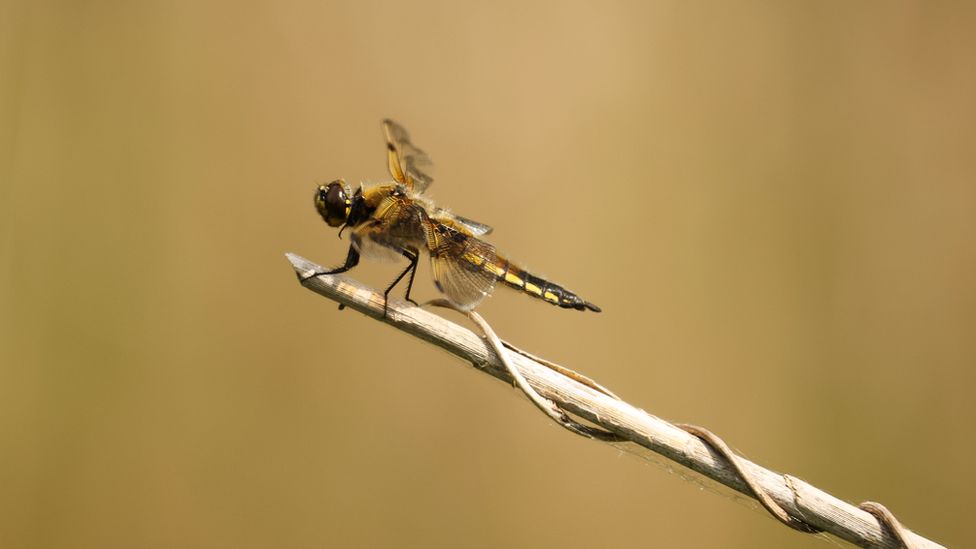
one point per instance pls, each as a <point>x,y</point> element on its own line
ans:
<point>397,219</point>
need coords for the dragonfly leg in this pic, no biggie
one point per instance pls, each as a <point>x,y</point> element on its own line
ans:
<point>352,259</point>
<point>412,269</point>
<point>413,257</point>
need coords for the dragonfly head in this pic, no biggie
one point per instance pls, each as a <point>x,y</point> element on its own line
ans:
<point>333,202</point>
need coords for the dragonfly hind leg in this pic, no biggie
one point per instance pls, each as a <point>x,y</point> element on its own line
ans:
<point>412,269</point>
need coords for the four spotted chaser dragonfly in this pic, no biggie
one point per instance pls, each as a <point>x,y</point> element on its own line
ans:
<point>396,219</point>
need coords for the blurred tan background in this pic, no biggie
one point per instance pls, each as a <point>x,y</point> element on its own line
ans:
<point>775,204</point>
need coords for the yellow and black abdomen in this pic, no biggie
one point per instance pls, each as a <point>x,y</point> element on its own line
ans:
<point>465,269</point>
<point>517,278</point>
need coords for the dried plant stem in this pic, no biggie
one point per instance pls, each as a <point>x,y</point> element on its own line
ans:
<point>799,499</point>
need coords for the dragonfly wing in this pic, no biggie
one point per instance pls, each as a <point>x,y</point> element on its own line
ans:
<point>395,226</point>
<point>365,241</point>
<point>407,163</point>
<point>463,266</point>
<point>477,229</point>
<point>462,223</point>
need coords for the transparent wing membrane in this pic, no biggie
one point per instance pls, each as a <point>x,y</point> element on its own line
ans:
<point>477,229</point>
<point>407,163</point>
<point>463,266</point>
<point>395,226</point>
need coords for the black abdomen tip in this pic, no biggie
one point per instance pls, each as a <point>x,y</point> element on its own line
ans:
<point>592,307</point>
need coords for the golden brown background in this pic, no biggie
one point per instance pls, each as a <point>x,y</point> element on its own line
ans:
<point>774,203</point>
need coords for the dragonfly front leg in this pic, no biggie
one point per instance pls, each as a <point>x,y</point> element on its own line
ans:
<point>352,259</point>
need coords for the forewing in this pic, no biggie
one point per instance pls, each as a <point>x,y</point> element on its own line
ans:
<point>371,244</point>
<point>462,223</point>
<point>477,229</point>
<point>462,265</point>
<point>407,163</point>
<point>395,226</point>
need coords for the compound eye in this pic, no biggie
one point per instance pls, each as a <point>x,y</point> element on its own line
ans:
<point>335,200</point>
<point>332,203</point>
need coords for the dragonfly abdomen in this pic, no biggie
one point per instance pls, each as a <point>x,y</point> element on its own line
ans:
<point>519,279</point>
